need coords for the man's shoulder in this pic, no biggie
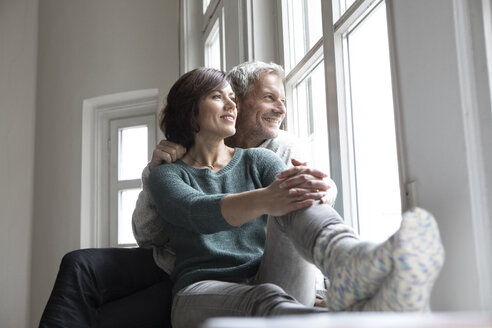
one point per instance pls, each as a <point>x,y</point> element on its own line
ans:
<point>257,153</point>
<point>283,139</point>
<point>284,145</point>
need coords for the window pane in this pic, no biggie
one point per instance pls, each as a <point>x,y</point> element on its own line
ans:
<point>126,204</point>
<point>132,152</point>
<point>340,7</point>
<point>305,27</point>
<point>375,154</point>
<point>205,5</point>
<point>212,48</point>
<point>310,117</point>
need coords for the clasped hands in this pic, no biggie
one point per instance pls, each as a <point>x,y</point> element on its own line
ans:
<point>294,188</point>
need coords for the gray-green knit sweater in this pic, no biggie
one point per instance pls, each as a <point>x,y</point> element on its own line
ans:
<point>189,199</point>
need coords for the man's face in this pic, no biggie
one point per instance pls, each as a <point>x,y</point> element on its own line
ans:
<point>262,111</point>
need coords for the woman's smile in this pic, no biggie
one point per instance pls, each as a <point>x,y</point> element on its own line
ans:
<point>229,117</point>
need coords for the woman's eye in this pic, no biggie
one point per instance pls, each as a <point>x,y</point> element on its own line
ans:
<point>216,96</point>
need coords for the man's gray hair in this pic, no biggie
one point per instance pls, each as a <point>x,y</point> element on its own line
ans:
<point>244,75</point>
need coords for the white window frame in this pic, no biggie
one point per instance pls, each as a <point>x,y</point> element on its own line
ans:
<point>354,14</point>
<point>95,181</point>
<point>330,49</point>
<point>116,185</point>
<point>213,33</point>
<point>237,42</point>
<point>213,22</point>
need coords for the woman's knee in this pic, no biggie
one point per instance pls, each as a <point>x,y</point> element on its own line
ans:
<point>266,297</point>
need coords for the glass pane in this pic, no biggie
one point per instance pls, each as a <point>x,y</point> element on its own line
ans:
<point>375,153</point>
<point>133,152</point>
<point>340,7</point>
<point>212,48</point>
<point>126,204</point>
<point>305,27</point>
<point>205,5</point>
<point>310,117</point>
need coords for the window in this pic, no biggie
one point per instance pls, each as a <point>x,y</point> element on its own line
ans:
<point>213,20</point>
<point>206,3</point>
<point>340,7</point>
<point>129,154</point>
<point>212,48</point>
<point>362,121</point>
<point>309,120</point>
<point>303,29</point>
<point>305,80</point>
<point>119,134</point>
<point>370,125</point>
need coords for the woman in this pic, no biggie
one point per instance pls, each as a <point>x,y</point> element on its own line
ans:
<point>215,201</point>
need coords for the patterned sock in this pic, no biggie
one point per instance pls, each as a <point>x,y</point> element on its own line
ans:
<point>396,275</point>
<point>418,258</point>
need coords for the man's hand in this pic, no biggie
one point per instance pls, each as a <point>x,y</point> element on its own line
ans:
<point>302,180</point>
<point>166,151</point>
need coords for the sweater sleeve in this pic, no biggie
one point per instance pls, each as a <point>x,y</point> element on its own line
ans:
<point>183,206</point>
<point>269,165</point>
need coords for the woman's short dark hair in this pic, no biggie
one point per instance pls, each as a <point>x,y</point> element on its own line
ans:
<point>178,118</point>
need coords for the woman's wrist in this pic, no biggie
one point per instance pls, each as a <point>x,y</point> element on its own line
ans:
<point>238,209</point>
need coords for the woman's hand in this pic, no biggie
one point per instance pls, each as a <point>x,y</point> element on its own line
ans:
<point>302,180</point>
<point>278,201</point>
<point>296,188</point>
<point>166,151</point>
<point>243,207</point>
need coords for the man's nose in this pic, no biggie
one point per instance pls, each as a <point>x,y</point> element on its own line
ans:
<point>280,108</point>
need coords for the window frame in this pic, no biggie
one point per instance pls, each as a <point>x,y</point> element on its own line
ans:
<point>95,182</point>
<point>213,22</point>
<point>339,139</point>
<point>115,184</point>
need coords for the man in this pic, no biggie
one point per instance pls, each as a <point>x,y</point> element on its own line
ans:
<point>124,287</point>
<point>260,100</point>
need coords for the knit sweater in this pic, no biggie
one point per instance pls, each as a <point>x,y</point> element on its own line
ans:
<point>189,200</point>
<point>149,226</point>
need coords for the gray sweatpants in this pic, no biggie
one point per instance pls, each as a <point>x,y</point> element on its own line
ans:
<point>284,283</point>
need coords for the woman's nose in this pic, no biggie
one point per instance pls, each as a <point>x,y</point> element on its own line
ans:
<point>230,103</point>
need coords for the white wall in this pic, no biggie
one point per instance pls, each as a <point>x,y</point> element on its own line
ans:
<point>86,49</point>
<point>436,142</point>
<point>18,42</point>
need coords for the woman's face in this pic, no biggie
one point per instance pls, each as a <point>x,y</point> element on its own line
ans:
<point>217,113</point>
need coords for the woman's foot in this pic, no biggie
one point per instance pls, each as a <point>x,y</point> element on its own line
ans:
<point>396,275</point>
<point>418,258</point>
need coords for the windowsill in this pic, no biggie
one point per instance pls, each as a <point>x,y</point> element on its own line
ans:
<point>361,320</point>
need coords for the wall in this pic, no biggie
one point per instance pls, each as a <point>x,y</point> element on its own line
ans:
<point>18,43</point>
<point>435,141</point>
<point>86,49</point>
